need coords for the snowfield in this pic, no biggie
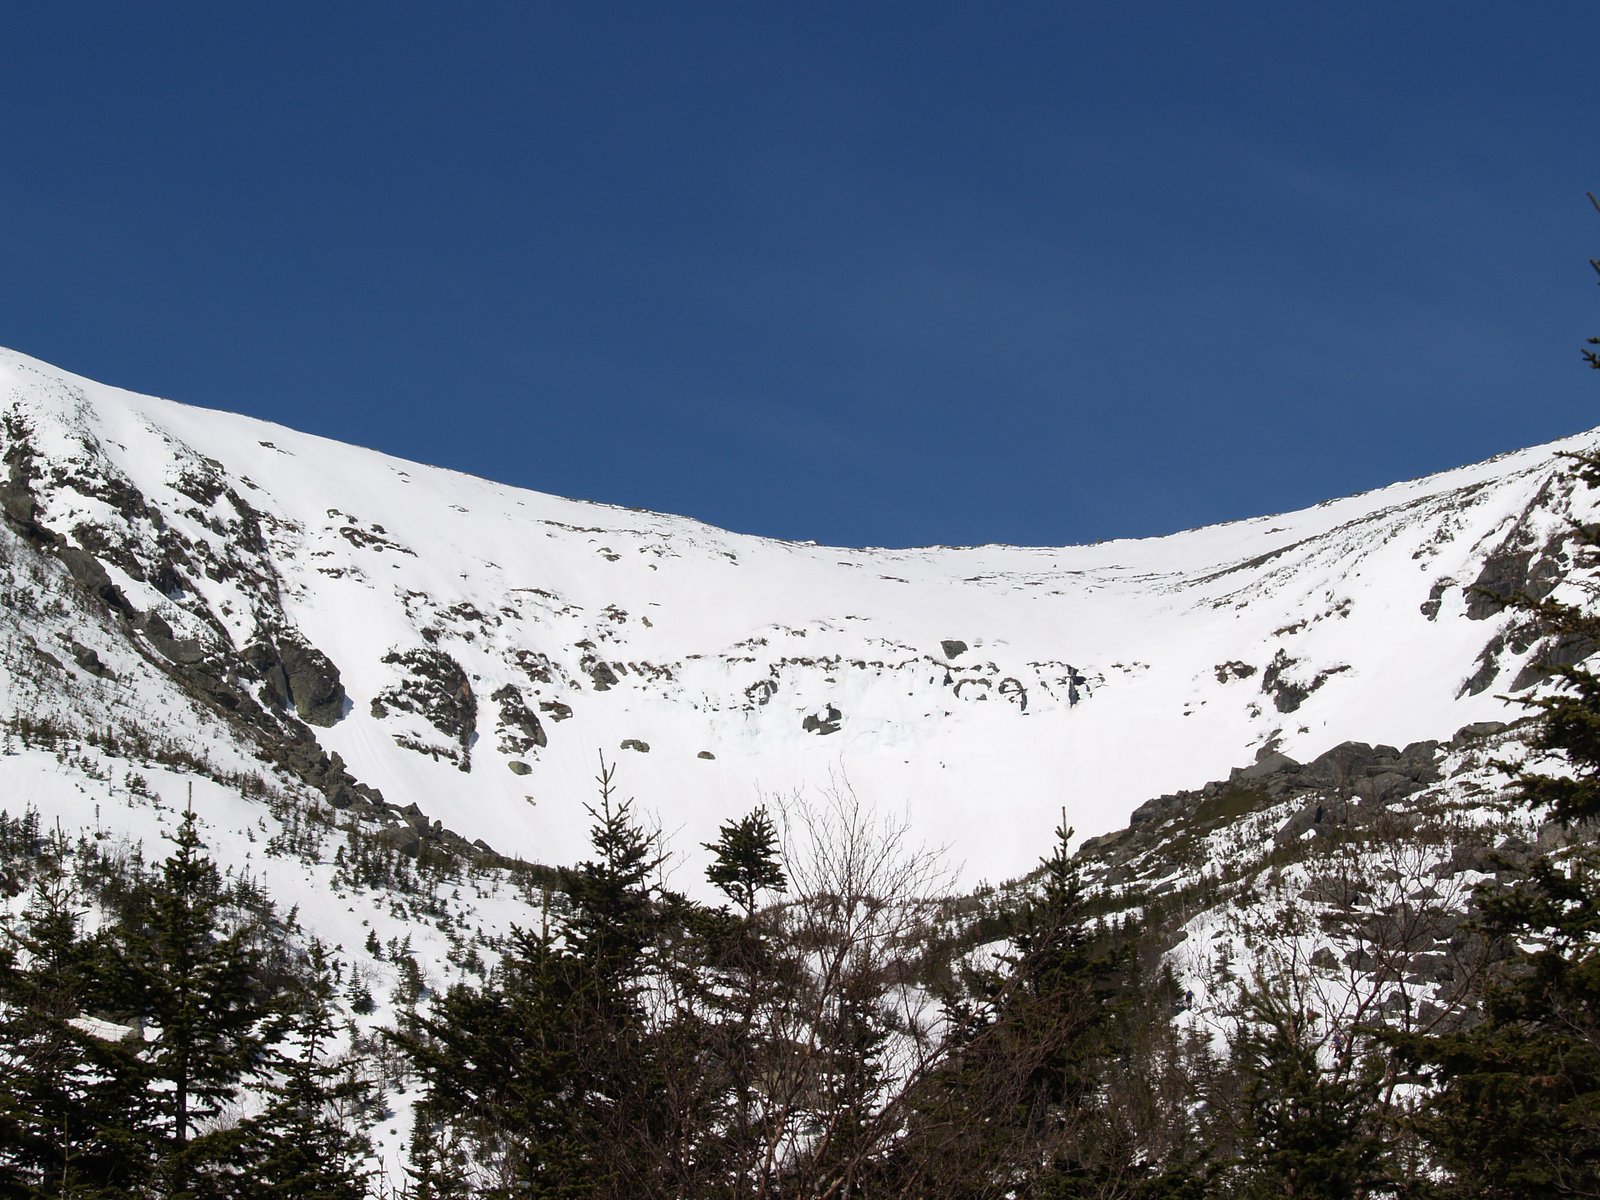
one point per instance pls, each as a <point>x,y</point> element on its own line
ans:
<point>978,690</point>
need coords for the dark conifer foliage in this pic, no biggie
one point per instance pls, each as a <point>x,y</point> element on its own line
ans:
<point>1516,1106</point>
<point>124,1049</point>
<point>508,1082</point>
<point>1305,1130</point>
<point>1018,1106</point>
<point>302,1146</point>
<point>610,895</point>
<point>746,860</point>
<point>741,974</point>
<point>642,1045</point>
<point>199,985</point>
<point>544,1074</point>
<point>72,1099</point>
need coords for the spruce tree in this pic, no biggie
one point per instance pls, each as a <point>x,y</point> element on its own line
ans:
<point>301,1147</point>
<point>1305,1131</point>
<point>738,975</point>
<point>438,1161</point>
<point>1516,1106</point>
<point>71,1090</point>
<point>637,1105</point>
<point>609,925</point>
<point>196,979</point>
<point>507,1075</point>
<point>1013,1110</point>
<point>746,861</point>
<point>551,1070</point>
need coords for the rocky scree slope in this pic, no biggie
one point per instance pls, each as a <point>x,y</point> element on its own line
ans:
<point>1348,882</point>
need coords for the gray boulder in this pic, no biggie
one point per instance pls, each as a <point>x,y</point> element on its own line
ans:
<point>88,660</point>
<point>313,683</point>
<point>187,651</point>
<point>828,723</point>
<point>87,572</point>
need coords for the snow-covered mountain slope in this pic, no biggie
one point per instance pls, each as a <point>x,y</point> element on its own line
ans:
<point>471,648</point>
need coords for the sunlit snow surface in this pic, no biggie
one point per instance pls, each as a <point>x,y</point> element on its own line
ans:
<point>725,643</point>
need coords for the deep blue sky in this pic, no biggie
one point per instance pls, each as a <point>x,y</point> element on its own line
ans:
<point>865,273</point>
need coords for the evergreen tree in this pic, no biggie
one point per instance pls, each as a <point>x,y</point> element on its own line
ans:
<point>301,1147</point>
<point>121,1051</point>
<point>71,1094</point>
<point>746,862</point>
<point>1307,1131</point>
<point>507,1076</point>
<point>738,974</point>
<point>552,1070</point>
<point>1068,980</point>
<point>611,914</point>
<point>439,1164</point>
<point>197,980</point>
<point>1516,1111</point>
<point>1014,1109</point>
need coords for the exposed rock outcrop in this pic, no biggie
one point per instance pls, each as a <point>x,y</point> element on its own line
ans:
<point>520,728</point>
<point>1352,782</point>
<point>436,688</point>
<point>297,676</point>
<point>828,722</point>
<point>88,574</point>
